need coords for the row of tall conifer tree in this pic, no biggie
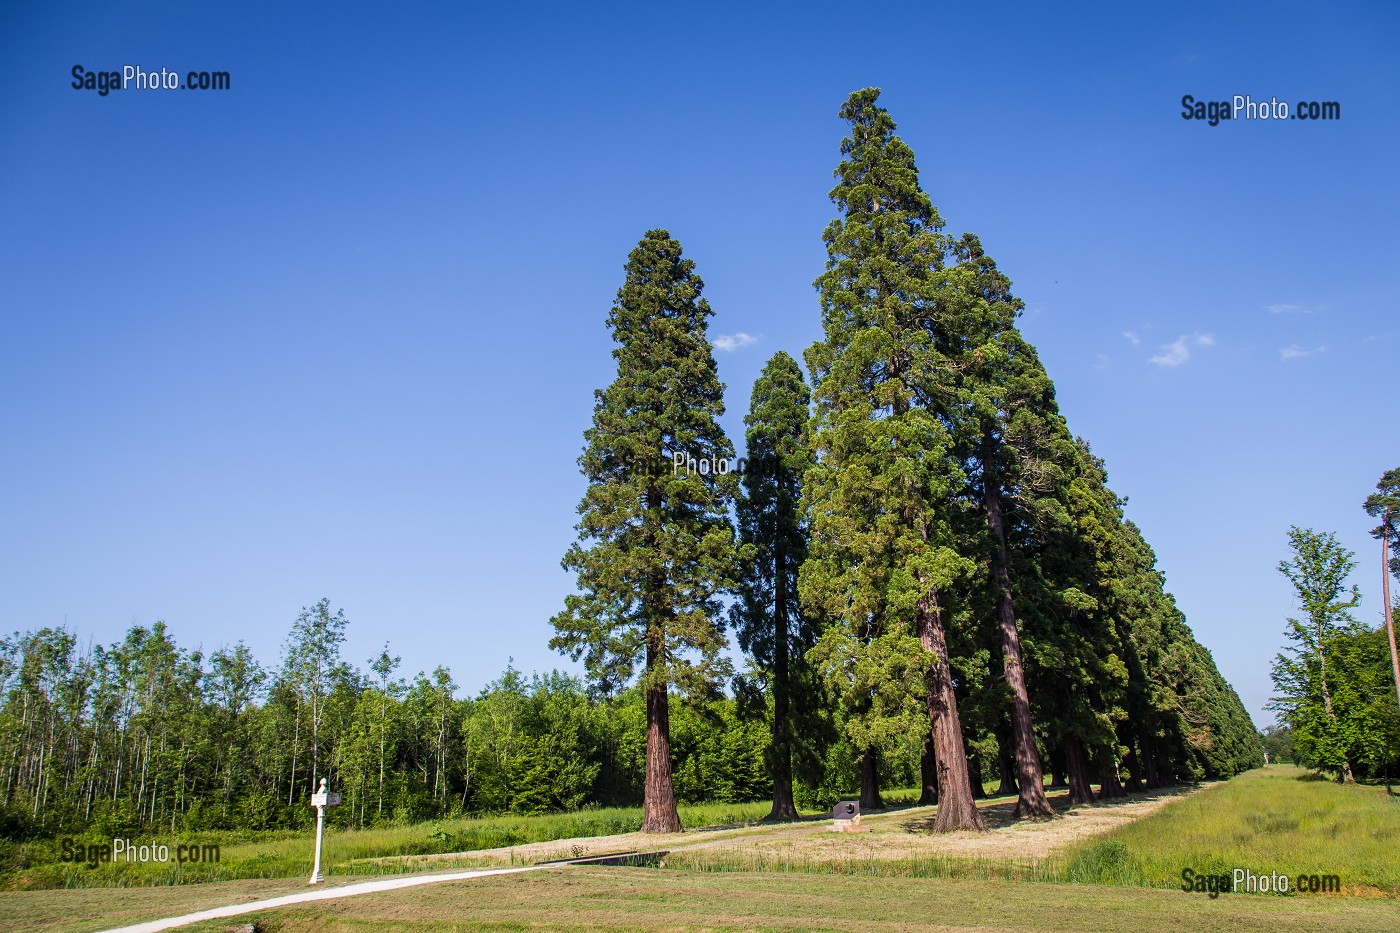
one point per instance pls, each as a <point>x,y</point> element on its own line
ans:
<point>918,546</point>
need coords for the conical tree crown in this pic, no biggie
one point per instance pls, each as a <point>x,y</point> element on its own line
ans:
<point>879,490</point>
<point>655,546</point>
<point>883,254</point>
<point>769,518</point>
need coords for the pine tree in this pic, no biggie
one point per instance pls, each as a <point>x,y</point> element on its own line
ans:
<point>655,547</point>
<point>883,555</point>
<point>767,616</point>
<point>1384,504</point>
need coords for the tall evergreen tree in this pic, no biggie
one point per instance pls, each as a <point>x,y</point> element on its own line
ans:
<point>655,547</point>
<point>883,556</point>
<point>1006,421</point>
<point>768,617</point>
<point>1384,504</point>
<point>1318,571</point>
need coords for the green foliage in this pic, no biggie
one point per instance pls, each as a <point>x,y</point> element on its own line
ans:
<point>1278,742</point>
<point>767,615</point>
<point>655,547</point>
<point>89,744</point>
<point>882,543</point>
<point>1384,505</point>
<point>1307,675</point>
<point>1363,699</point>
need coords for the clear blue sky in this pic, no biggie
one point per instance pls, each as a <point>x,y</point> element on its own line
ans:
<point>335,332</point>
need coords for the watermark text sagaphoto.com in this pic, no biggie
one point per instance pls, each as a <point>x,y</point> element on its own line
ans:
<point>1244,107</point>
<point>124,850</point>
<point>134,77</point>
<point>1244,881</point>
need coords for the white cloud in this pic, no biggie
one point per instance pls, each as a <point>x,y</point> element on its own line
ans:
<point>1292,309</point>
<point>1179,350</point>
<point>1102,361</point>
<point>1295,352</point>
<point>1133,338</point>
<point>731,342</point>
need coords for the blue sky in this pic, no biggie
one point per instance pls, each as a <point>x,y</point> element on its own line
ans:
<point>335,332</point>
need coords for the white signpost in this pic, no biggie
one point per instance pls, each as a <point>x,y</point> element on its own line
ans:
<point>320,800</point>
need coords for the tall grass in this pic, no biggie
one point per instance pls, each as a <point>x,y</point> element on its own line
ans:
<point>289,855</point>
<point>1278,818</point>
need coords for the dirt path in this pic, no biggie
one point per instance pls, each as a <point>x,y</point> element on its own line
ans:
<point>908,833</point>
<point>892,834</point>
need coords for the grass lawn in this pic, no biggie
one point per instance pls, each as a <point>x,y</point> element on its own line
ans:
<point>1116,866</point>
<point>1279,818</point>
<point>87,909</point>
<point>598,899</point>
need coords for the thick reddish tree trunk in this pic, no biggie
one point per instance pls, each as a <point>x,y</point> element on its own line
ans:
<point>956,809</point>
<point>1031,802</point>
<point>1389,618</point>
<point>1077,762</point>
<point>659,814</point>
<point>781,753</point>
<point>928,775</point>
<point>659,795</point>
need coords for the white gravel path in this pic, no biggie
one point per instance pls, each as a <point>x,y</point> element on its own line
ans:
<point>319,894</point>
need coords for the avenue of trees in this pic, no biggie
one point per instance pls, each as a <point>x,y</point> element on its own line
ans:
<point>929,581</point>
<point>1337,682</point>
<point>927,562</point>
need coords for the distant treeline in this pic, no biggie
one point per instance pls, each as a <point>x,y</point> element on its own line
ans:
<point>145,736</point>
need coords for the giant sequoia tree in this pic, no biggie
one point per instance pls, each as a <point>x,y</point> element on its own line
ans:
<point>883,554</point>
<point>768,616</point>
<point>1002,406</point>
<point>655,546</point>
